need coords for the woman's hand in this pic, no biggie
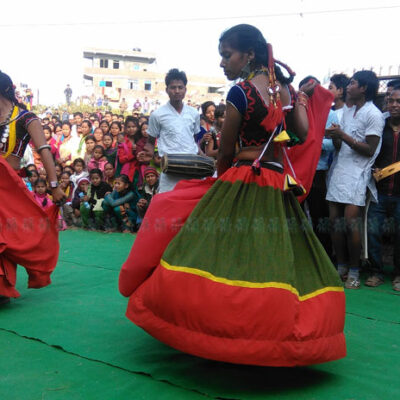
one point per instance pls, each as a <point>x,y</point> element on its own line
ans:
<point>308,87</point>
<point>206,138</point>
<point>58,195</point>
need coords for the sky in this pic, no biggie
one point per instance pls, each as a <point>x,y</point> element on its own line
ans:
<point>42,46</point>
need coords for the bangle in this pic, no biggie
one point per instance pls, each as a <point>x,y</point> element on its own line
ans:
<point>300,93</point>
<point>44,146</point>
<point>302,99</point>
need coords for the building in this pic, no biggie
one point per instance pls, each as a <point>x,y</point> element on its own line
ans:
<point>133,75</point>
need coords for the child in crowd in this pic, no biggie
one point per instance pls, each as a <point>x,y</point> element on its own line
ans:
<point>147,191</point>
<point>68,187</point>
<point>91,210</point>
<point>127,150</point>
<point>40,194</point>
<point>59,171</point>
<point>141,139</point>
<point>81,190</point>
<point>42,174</point>
<point>51,142</point>
<point>109,174</point>
<point>98,160</point>
<point>109,151</point>
<point>120,205</point>
<point>115,130</point>
<point>33,176</point>
<point>90,143</point>
<point>79,171</point>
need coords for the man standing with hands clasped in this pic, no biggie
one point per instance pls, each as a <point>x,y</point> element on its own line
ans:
<point>174,125</point>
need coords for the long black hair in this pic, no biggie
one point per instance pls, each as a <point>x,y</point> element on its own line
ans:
<point>7,90</point>
<point>245,38</point>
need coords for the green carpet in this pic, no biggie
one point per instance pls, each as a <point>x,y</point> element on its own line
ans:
<point>72,340</point>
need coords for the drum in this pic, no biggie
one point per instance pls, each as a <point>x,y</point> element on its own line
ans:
<point>189,165</point>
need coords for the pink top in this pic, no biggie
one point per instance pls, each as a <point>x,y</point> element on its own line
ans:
<point>100,164</point>
<point>43,200</point>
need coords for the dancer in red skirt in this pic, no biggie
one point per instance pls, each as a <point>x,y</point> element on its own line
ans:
<point>28,234</point>
<point>230,269</point>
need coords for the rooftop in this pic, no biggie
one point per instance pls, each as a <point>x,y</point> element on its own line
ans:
<point>129,54</point>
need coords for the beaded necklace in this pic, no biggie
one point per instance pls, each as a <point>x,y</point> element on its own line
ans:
<point>9,132</point>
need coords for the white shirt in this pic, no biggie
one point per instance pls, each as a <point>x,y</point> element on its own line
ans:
<point>175,131</point>
<point>350,173</point>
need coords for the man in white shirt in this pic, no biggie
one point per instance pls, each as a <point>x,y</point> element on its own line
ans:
<point>174,125</point>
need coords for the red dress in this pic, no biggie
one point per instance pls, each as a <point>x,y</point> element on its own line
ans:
<point>28,234</point>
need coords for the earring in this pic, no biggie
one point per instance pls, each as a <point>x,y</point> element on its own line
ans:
<point>245,72</point>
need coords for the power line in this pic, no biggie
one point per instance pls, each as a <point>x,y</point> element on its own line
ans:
<point>202,19</point>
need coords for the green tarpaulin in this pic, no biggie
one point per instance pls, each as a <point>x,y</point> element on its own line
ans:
<point>72,340</point>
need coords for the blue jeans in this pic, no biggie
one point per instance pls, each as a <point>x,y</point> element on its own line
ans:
<point>384,219</point>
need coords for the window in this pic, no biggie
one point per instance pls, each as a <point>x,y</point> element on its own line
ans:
<point>103,63</point>
<point>108,84</point>
<point>133,84</point>
<point>147,85</point>
<point>116,64</point>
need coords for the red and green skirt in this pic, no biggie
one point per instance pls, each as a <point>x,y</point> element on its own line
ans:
<point>230,270</point>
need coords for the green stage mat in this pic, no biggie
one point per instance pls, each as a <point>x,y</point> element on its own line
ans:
<point>71,340</point>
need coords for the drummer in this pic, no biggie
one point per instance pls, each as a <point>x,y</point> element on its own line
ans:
<point>384,216</point>
<point>174,125</point>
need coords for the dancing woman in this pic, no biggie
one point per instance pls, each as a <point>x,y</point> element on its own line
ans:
<point>229,269</point>
<point>28,234</point>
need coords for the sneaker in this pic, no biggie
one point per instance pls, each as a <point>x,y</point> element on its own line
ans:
<point>352,283</point>
<point>374,281</point>
<point>396,284</point>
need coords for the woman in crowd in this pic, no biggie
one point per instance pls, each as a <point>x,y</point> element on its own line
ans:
<point>90,142</point>
<point>211,139</point>
<point>206,121</point>
<point>245,277</point>
<point>85,131</point>
<point>115,130</point>
<point>98,136</point>
<point>31,246</point>
<point>109,174</point>
<point>104,126</point>
<point>68,147</point>
<point>58,134</point>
